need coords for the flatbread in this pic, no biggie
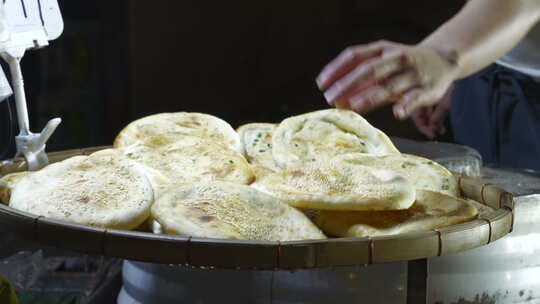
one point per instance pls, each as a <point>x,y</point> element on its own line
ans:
<point>325,134</point>
<point>191,159</point>
<point>230,211</point>
<point>160,183</point>
<point>7,183</point>
<point>421,172</point>
<point>430,211</point>
<point>165,128</point>
<point>332,185</point>
<point>256,141</point>
<point>104,189</point>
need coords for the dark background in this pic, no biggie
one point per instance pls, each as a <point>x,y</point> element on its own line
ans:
<point>243,61</point>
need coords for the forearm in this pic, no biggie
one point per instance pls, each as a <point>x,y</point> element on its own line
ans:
<point>482,32</point>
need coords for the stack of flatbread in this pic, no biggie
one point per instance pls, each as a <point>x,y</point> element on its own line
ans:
<point>192,174</point>
<point>179,148</point>
<point>349,177</point>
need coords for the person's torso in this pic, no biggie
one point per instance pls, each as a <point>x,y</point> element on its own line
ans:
<point>525,57</point>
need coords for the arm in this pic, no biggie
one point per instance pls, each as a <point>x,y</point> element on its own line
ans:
<point>483,31</point>
<point>367,76</point>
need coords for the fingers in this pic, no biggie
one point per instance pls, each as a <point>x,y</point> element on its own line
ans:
<point>346,62</point>
<point>421,119</point>
<point>363,78</point>
<point>438,117</point>
<point>428,119</point>
<point>409,102</point>
<point>345,101</point>
<point>372,70</point>
<point>384,92</point>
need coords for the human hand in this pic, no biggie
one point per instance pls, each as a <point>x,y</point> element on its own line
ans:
<point>365,77</point>
<point>429,120</point>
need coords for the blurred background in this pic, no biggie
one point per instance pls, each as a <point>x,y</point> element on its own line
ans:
<point>243,61</point>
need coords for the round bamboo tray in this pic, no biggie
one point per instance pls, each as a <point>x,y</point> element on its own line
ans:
<point>237,254</point>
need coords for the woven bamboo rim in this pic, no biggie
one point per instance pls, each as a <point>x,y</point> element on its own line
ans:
<point>236,254</point>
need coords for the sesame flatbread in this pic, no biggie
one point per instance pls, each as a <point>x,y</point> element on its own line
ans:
<point>7,183</point>
<point>104,189</point>
<point>431,210</point>
<point>230,211</point>
<point>166,128</point>
<point>191,159</point>
<point>333,185</point>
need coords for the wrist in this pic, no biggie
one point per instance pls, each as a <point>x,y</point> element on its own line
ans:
<point>449,56</point>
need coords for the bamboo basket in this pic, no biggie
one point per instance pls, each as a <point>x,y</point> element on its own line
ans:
<point>238,254</point>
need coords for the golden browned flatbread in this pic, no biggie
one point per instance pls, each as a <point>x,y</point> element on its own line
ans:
<point>230,211</point>
<point>431,210</point>
<point>333,185</point>
<point>166,128</point>
<point>7,183</point>
<point>421,172</point>
<point>104,189</point>
<point>191,159</point>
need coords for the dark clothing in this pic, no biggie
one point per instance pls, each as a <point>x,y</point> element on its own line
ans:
<point>497,112</point>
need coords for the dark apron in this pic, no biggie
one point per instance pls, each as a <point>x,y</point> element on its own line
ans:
<point>497,112</point>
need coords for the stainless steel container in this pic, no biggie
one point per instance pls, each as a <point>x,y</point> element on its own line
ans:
<point>506,271</point>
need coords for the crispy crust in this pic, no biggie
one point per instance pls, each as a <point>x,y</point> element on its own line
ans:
<point>430,211</point>
<point>332,185</point>
<point>170,127</point>
<point>230,211</point>
<point>104,189</point>
<point>422,173</point>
